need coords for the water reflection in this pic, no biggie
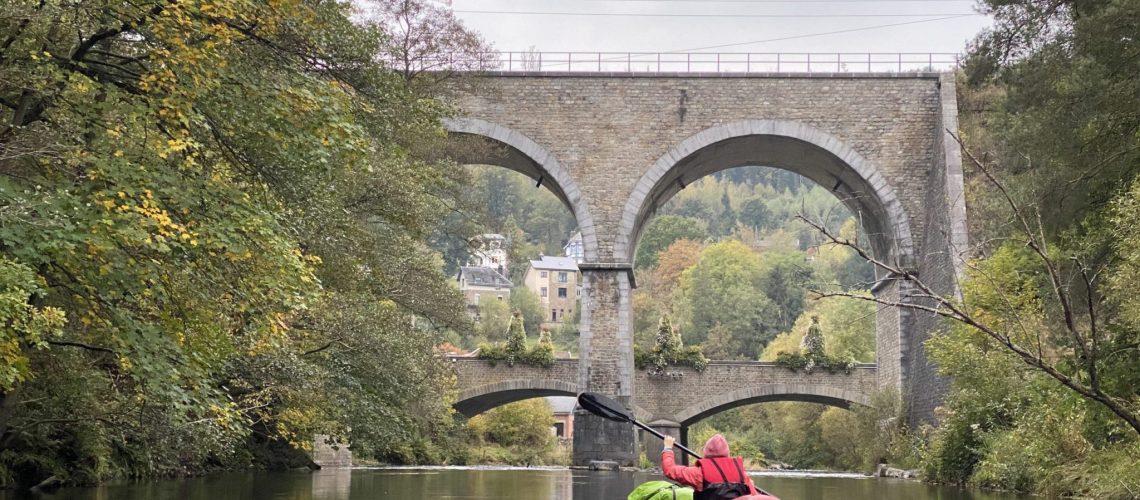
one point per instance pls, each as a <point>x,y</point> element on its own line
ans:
<point>332,484</point>
<point>480,483</point>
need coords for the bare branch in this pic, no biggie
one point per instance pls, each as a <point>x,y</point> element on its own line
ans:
<point>1035,243</point>
<point>1091,358</point>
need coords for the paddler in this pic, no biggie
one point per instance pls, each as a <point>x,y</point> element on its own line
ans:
<point>716,476</point>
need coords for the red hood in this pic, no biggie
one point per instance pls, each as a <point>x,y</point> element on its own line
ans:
<point>716,446</point>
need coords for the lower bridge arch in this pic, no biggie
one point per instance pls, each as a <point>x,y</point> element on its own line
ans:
<point>476,400</point>
<point>827,395</point>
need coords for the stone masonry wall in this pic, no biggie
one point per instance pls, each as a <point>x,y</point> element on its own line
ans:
<point>681,392</point>
<point>941,262</point>
<point>731,383</point>
<point>607,131</point>
<point>594,137</point>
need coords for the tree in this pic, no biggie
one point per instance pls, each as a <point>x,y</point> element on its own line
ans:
<point>848,329</point>
<point>720,344</point>
<point>662,232</point>
<point>784,279</point>
<point>525,302</point>
<point>225,200</point>
<point>516,338</point>
<point>754,213</point>
<point>725,287</point>
<point>667,340</point>
<point>1056,98</point>
<point>522,424</point>
<point>813,343</point>
<point>674,260</point>
<point>424,38</point>
<point>1008,292</point>
<point>494,320</point>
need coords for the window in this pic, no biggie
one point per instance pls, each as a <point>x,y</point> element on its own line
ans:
<point>562,312</point>
<point>542,274</point>
<point>500,298</point>
<point>561,277</point>
<point>562,293</point>
<point>554,315</point>
<point>579,292</point>
<point>542,291</point>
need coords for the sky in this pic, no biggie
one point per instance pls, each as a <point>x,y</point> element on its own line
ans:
<point>723,25</point>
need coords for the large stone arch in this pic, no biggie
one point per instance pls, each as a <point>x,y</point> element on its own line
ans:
<point>784,144</point>
<point>810,393</point>
<point>522,154</point>
<point>819,156</point>
<point>479,399</point>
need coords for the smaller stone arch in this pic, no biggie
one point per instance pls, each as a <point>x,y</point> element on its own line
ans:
<point>809,393</point>
<point>476,400</point>
<point>522,154</point>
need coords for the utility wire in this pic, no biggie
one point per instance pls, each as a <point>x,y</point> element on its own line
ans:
<point>823,33</point>
<point>779,1</point>
<point>635,14</point>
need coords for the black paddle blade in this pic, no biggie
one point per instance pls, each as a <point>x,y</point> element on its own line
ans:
<point>604,407</point>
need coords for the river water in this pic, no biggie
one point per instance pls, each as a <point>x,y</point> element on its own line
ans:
<point>483,483</point>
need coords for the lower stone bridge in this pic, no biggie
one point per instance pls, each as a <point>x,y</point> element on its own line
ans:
<point>670,401</point>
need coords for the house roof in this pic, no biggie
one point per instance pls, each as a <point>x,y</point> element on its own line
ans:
<point>483,276</point>
<point>561,404</point>
<point>550,263</point>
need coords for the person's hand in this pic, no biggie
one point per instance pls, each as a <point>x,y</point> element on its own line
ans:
<point>669,441</point>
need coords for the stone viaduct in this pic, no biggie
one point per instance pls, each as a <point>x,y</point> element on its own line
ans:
<point>615,146</point>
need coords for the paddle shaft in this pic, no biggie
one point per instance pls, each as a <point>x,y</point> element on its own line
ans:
<point>662,436</point>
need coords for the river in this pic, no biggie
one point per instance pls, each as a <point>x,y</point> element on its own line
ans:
<point>483,483</point>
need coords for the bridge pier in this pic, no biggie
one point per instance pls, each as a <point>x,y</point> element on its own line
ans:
<point>605,363</point>
<point>652,445</point>
<point>596,438</point>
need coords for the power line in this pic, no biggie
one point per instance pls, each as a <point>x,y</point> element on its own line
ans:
<point>635,14</point>
<point>779,1</point>
<point>824,33</point>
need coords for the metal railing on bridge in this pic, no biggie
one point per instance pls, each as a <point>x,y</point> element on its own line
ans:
<point>695,62</point>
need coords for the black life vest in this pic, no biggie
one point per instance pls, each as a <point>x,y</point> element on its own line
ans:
<point>718,485</point>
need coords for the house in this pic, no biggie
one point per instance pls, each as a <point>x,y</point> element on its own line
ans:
<point>490,251</point>
<point>563,407</point>
<point>555,281</point>
<point>574,248</point>
<point>482,283</point>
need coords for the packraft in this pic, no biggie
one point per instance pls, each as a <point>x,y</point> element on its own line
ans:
<point>660,490</point>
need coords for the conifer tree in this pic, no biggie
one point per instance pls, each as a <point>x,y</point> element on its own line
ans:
<point>516,339</point>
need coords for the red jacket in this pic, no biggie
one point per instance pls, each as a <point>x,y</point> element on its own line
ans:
<point>690,476</point>
<point>716,446</point>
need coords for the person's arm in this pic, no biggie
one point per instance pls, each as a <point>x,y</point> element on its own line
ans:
<point>689,476</point>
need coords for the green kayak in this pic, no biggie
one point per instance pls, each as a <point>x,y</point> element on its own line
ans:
<point>660,490</point>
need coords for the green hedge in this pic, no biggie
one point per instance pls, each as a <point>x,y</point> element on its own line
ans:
<point>540,355</point>
<point>656,361</point>
<point>797,362</point>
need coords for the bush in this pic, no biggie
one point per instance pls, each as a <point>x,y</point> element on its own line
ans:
<point>540,355</point>
<point>796,362</point>
<point>668,350</point>
<point>656,361</point>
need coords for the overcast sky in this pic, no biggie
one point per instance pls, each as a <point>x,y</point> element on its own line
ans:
<point>684,25</point>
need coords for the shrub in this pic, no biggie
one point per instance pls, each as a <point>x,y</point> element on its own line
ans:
<point>796,362</point>
<point>540,355</point>
<point>656,361</point>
